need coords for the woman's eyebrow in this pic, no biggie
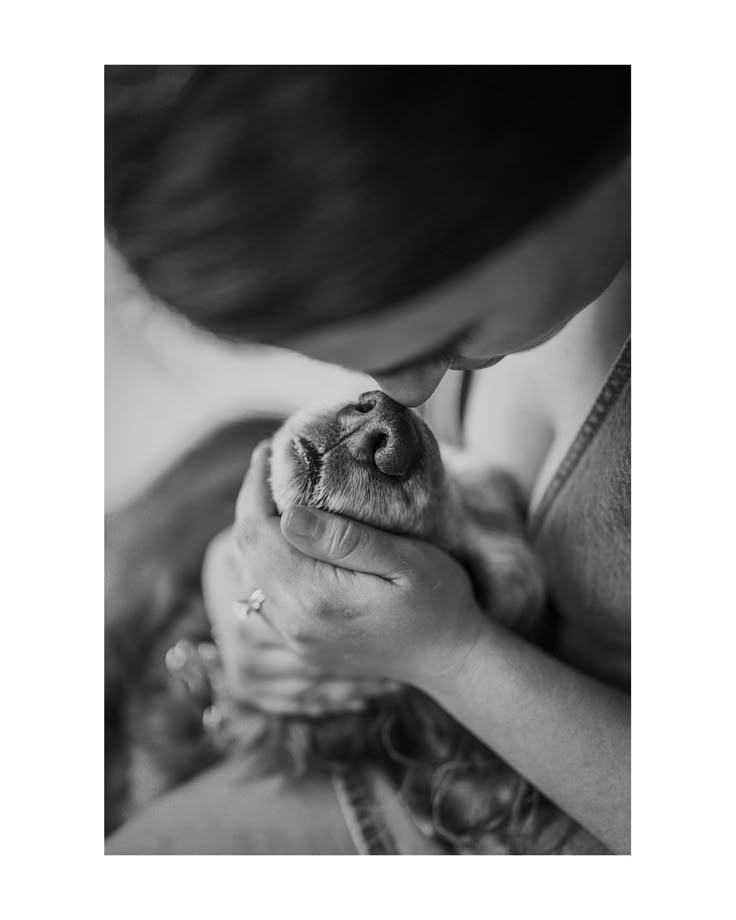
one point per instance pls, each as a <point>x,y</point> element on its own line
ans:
<point>435,352</point>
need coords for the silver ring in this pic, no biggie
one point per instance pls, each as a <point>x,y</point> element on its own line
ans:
<point>243,609</point>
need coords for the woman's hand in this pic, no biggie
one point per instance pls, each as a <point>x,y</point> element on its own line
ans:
<point>347,599</point>
<point>260,670</point>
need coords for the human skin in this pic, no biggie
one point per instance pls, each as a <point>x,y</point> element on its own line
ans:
<point>515,300</point>
<point>352,602</point>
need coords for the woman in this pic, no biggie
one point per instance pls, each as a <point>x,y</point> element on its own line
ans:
<point>405,222</point>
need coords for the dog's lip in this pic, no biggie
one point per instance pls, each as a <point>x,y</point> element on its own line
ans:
<point>310,457</point>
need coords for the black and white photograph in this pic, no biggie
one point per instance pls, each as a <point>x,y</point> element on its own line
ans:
<point>333,524</point>
<point>367,460</point>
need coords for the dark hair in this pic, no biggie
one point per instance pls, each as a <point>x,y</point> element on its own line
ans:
<point>259,201</point>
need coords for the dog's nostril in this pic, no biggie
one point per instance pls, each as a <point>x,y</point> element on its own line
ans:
<point>394,456</point>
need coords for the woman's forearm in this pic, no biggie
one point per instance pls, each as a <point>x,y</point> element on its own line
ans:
<point>568,734</point>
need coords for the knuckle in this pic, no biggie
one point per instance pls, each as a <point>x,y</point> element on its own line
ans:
<point>335,595</point>
<point>315,605</point>
<point>321,609</point>
<point>344,579</point>
<point>242,690</point>
<point>306,631</point>
<point>345,539</point>
<point>301,635</point>
<point>403,567</point>
<point>338,692</point>
<point>247,665</point>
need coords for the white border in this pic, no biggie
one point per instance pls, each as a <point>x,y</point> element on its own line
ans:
<point>683,456</point>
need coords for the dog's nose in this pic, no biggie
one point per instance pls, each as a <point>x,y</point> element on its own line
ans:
<point>382,433</point>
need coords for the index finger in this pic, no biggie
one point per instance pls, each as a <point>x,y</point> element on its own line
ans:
<point>255,499</point>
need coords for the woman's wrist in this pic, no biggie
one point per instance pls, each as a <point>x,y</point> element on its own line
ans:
<point>442,665</point>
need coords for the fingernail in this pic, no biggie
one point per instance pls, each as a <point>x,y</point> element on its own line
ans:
<point>302,522</point>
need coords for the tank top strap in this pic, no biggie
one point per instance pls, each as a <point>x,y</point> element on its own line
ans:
<point>618,379</point>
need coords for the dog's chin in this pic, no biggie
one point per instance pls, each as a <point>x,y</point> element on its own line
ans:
<point>310,465</point>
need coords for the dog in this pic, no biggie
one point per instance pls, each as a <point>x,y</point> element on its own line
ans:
<point>379,463</point>
<point>374,461</point>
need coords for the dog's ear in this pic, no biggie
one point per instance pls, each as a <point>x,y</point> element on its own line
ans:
<point>487,523</point>
<point>508,579</point>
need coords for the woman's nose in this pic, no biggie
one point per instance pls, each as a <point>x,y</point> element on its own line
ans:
<point>415,385</point>
<point>382,434</point>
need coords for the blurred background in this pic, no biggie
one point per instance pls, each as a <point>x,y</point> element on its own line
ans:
<point>167,385</point>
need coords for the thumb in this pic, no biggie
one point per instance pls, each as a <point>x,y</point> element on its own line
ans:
<point>342,542</point>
